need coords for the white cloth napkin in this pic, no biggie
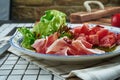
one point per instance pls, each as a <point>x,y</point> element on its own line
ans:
<point>105,72</point>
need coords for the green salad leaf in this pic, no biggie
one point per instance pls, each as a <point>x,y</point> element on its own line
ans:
<point>50,23</point>
<point>28,37</point>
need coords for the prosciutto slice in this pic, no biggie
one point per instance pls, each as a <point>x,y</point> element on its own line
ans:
<point>64,46</point>
<point>83,49</point>
<point>58,47</point>
<point>41,45</point>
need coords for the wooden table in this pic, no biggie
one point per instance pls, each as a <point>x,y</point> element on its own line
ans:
<point>13,67</point>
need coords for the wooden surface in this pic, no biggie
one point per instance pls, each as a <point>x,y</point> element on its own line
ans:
<point>79,17</point>
<point>101,21</point>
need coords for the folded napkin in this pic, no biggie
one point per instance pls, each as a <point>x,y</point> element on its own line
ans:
<point>104,70</point>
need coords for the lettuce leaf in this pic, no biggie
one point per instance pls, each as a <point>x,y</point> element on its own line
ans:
<point>50,23</point>
<point>28,37</point>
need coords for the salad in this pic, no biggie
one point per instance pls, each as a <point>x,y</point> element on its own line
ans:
<point>51,35</point>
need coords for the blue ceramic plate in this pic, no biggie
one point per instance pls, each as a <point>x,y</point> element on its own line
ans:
<point>17,38</point>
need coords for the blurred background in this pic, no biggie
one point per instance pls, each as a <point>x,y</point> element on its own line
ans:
<point>34,9</point>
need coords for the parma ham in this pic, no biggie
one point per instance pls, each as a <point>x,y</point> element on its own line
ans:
<point>83,41</point>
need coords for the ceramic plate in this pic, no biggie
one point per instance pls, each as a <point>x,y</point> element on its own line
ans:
<point>17,38</point>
